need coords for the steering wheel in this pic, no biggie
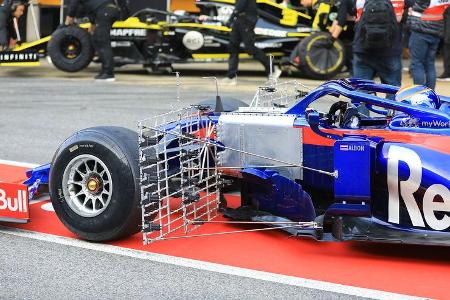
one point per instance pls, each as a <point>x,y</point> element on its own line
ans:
<point>336,113</point>
<point>344,115</point>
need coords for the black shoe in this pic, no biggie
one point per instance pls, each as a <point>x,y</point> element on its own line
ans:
<point>105,78</point>
<point>443,77</point>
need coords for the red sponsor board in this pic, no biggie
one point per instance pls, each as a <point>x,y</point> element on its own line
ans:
<point>14,203</point>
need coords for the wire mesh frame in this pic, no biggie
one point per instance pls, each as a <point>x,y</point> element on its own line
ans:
<point>195,181</point>
<point>282,95</point>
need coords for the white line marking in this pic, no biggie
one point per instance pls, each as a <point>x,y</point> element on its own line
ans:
<point>206,266</point>
<point>47,207</point>
<point>18,163</point>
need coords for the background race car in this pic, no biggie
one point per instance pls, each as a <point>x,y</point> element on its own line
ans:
<point>294,38</point>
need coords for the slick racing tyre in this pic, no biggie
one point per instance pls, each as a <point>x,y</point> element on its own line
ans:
<point>70,49</point>
<point>318,58</point>
<point>94,183</point>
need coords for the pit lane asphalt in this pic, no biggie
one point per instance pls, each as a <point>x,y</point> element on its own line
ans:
<point>39,108</point>
<point>31,269</point>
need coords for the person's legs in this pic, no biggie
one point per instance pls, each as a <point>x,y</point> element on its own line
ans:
<point>418,49</point>
<point>430,67</point>
<point>348,48</point>
<point>346,38</point>
<point>105,17</point>
<point>390,70</point>
<point>234,49</point>
<point>4,41</point>
<point>446,73</point>
<point>248,37</point>
<point>361,69</point>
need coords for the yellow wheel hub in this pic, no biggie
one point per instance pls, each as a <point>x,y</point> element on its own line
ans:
<point>93,185</point>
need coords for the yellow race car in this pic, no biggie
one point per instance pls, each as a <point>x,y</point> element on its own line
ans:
<point>296,39</point>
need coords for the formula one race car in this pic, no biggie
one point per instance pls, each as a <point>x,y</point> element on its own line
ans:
<point>290,36</point>
<point>333,175</point>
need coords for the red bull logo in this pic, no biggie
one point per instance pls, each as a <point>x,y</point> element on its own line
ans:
<point>14,203</point>
<point>435,199</point>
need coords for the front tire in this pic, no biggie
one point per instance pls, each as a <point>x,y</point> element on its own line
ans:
<point>94,183</point>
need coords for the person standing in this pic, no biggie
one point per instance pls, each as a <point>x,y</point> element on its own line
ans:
<point>102,14</point>
<point>10,13</point>
<point>426,22</point>
<point>243,22</point>
<point>346,15</point>
<point>445,76</point>
<point>377,46</point>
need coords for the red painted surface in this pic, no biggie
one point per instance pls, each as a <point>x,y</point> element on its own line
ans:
<point>12,174</point>
<point>413,270</point>
<point>14,202</point>
<point>432,142</point>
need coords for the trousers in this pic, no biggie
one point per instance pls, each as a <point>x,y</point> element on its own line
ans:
<point>243,30</point>
<point>423,48</point>
<point>105,16</point>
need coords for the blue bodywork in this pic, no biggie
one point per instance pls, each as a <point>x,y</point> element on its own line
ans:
<point>36,178</point>
<point>391,183</point>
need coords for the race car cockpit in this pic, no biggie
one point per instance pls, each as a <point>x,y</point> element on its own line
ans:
<point>415,109</point>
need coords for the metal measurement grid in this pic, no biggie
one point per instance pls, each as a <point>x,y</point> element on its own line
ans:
<point>173,198</point>
<point>278,95</point>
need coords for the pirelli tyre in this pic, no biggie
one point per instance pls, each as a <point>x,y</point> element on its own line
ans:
<point>94,183</point>
<point>318,58</point>
<point>70,49</point>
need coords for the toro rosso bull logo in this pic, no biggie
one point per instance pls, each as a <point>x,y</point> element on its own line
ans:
<point>13,202</point>
<point>436,198</point>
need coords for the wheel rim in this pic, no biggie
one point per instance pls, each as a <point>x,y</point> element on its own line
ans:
<point>71,47</point>
<point>87,186</point>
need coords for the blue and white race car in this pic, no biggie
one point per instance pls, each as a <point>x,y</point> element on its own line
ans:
<point>339,175</point>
